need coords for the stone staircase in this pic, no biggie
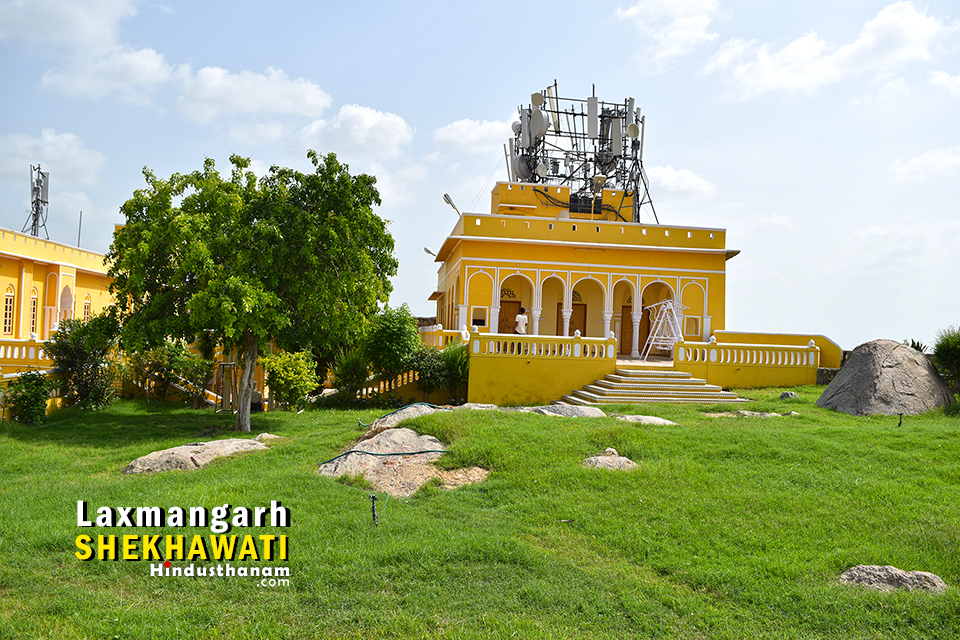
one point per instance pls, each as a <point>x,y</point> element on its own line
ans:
<point>631,385</point>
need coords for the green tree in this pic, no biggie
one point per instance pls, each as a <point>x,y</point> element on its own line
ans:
<point>299,258</point>
<point>392,341</point>
<point>80,352</point>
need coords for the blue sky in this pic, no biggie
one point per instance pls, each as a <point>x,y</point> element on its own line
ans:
<point>824,136</point>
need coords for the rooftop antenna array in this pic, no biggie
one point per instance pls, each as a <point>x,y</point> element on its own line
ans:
<point>586,145</point>
<point>39,202</point>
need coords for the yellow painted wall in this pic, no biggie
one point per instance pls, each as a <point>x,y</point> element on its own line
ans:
<point>534,370</point>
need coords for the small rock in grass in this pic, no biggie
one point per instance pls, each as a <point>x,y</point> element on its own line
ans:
<point>789,395</point>
<point>887,578</point>
<point>651,420</point>
<point>570,411</point>
<point>610,461</point>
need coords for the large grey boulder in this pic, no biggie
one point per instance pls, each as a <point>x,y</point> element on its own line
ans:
<point>886,377</point>
<point>195,455</point>
<point>887,578</point>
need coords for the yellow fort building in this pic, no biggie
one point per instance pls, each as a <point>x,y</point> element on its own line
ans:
<point>573,239</point>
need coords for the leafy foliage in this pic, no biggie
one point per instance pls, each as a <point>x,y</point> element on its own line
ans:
<point>291,376</point>
<point>392,341</point>
<point>456,362</point>
<point>947,355</point>
<point>80,352</point>
<point>349,373</point>
<point>171,363</point>
<point>28,397</point>
<point>430,366</point>
<point>239,260</point>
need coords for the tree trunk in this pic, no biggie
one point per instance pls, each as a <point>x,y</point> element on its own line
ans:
<point>246,381</point>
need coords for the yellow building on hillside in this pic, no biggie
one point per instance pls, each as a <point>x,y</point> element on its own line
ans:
<point>577,271</point>
<point>565,238</point>
<point>573,240</point>
<point>44,282</point>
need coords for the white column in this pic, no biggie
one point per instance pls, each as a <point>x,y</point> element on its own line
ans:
<point>635,348</point>
<point>462,320</point>
<point>707,328</point>
<point>566,321</point>
<point>535,314</point>
<point>607,317</point>
<point>494,319</point>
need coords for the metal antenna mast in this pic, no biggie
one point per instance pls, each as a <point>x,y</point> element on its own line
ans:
<point>39,202</point>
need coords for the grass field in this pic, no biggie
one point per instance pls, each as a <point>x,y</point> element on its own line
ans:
<point>730,528</point>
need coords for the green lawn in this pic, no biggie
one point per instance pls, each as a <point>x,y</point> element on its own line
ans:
<point>730,528</point>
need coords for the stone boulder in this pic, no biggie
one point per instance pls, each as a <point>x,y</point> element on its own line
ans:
<point>886,377</point>
<point>887,578</point>
<point>392,441</point>
<point>195,455</point>
<point>391,420</point>
<point>570,411</point>
<point>404,471</point>
<point>610,459</point>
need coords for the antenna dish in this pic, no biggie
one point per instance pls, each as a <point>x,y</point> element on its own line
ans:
<point>633,130</point>
<point>516,128</point>
<point>536,99</point>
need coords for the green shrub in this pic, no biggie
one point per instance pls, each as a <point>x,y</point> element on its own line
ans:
<point>947,355</point>
<point>28,397</point>
<point>349,374</point>
<point>456,361</point>
<point>80,351</point>
<point>392,341</point>
<point>291,376</point>
<point>431,370</point>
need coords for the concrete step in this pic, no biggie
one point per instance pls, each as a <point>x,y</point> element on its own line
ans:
<point>606,386</point>
<point>586,400</point>
<point>640,385</point>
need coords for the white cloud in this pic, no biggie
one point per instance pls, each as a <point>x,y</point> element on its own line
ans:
<point>947,81</point>
<point>935,163</point>
<point>258,133</point>
<point>772,222</point>
<point>358,132</point>
<point>400,187</point>
<point>473,136</point>
<point>214,92</point>
<point>899,34</point>
<point>678,181</point>
<point>130,73</point>
<point>64,155</point>
<point>90,25</point>
<point>672,29</point>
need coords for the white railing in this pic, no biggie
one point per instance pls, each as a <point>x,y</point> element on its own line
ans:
<point>552,347</point>
<point>733,365</point>
<point>436,336</point>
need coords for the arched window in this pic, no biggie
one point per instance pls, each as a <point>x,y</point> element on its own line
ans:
<point>33,310</point>
<point>8,311</point>
<point>86,308</point>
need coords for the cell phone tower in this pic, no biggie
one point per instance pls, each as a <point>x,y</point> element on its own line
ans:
<point>39,202</point>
